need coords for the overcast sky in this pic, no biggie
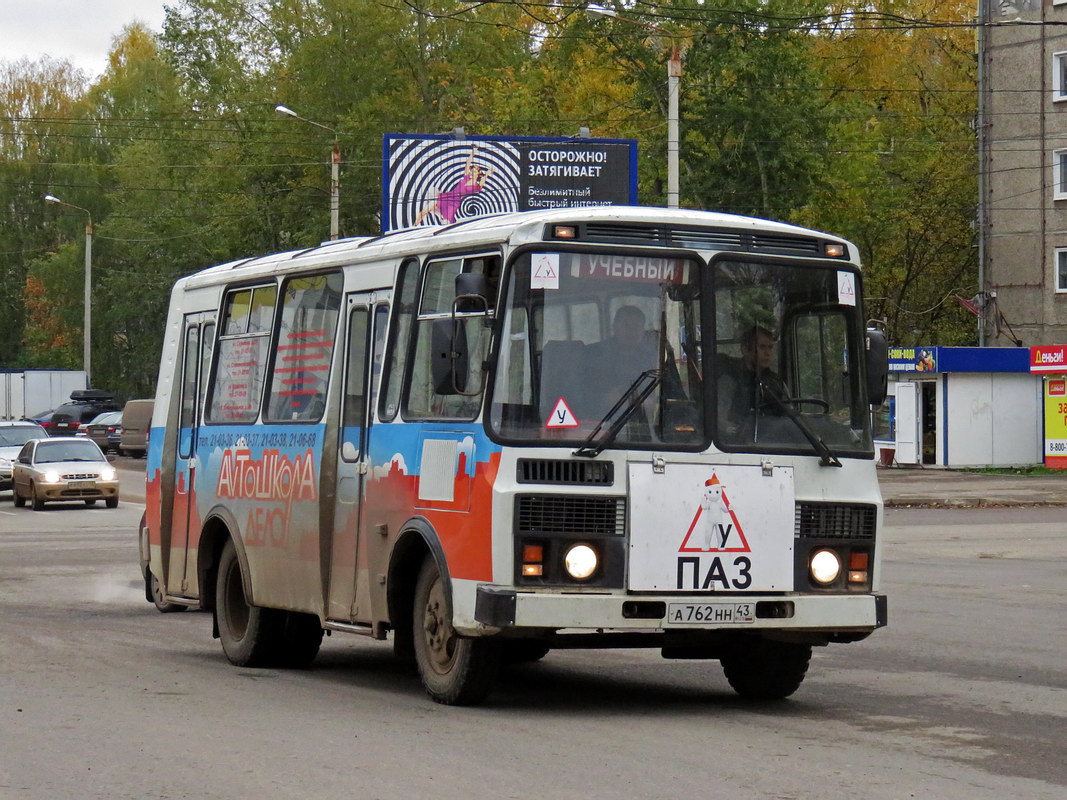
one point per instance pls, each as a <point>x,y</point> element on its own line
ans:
<point>79,31</point>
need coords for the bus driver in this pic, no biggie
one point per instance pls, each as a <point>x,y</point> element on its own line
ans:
<point>755,388</point>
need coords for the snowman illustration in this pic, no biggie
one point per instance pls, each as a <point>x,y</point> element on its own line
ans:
<point>712,509</point>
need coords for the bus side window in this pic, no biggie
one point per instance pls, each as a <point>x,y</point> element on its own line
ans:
<point>300,372</point>
<point>381,322</point>
<point>355,400</point>
<point>206,344</point>
<point>399,341</point>
<point>237,382</point>
<point>425,400</point>
<point>186,419</point>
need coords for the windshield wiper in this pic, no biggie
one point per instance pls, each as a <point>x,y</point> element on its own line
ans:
<point>630,401</point>
<point>826,455</point>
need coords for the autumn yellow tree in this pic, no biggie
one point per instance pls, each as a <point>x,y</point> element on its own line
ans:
<point>900,85</point>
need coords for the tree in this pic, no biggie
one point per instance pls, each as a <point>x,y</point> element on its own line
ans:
<point>37,118</point>
<point>904,183</point>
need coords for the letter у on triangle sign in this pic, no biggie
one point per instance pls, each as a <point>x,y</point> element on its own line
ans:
<point>733,523</point>
<point>544,271</point>
<point>561,416</point>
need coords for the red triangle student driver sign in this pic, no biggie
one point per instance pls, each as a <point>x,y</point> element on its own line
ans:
<point>561,416</point>
<point>714,528</point>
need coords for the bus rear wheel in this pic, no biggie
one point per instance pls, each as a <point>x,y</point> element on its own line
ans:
<point>250,634</point>
<point>454,670</point>
<point>767,670</point>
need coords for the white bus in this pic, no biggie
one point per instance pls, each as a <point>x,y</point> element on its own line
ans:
<point>581,428</point>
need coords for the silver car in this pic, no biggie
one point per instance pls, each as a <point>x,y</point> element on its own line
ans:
<point>63,468</point>
<point>13,435</point>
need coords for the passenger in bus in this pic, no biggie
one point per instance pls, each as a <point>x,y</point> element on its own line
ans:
<point>753,389</point>
<point>615,362</point>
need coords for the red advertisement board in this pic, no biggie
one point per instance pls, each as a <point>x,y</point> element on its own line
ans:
<point>1049,358</point>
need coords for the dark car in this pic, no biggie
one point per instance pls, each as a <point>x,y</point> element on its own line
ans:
<point>105,430</point>
<point>44,419</point>
<point>84,406</point>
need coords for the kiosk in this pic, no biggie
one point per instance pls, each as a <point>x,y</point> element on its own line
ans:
<point>1050,363</point>
<point>963,407</point>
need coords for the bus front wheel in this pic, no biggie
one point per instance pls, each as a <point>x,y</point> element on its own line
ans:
<point>767,670</point>
<point>454,670</point>
<point>159,600</point>
<point>249,634</point>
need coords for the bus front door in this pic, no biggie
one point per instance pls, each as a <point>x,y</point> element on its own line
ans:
<point>366,323</point>
<point>185,522</point>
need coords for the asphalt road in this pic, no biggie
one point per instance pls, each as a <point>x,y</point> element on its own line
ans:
<point>964,695</point>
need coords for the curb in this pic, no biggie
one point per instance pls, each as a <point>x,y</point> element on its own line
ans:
<point>967,502</point>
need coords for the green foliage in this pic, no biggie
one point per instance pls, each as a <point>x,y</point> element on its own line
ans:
<point>904,185</point>
<point>37,120</point>
<point>756,129</point>
<point>177,151</point>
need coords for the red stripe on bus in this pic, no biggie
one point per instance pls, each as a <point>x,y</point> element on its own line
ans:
<point>304,345</point>
<point>309,357</point>
<point>308,368</point>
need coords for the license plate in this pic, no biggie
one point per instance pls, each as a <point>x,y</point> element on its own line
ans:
<point>81,485</point>
<point>711,613</point>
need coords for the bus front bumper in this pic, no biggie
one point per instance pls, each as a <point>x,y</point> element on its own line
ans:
<point>504,608</point>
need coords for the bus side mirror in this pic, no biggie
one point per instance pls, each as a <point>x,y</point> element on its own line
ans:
<point>472,292</point>
<point>448,365</point>
<point>877,367</point>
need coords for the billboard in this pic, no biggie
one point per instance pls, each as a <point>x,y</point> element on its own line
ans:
<point>440,179</point>
<point>1049,358</point>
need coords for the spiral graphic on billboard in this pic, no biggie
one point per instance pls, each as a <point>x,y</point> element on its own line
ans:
<point>437,179</point>
<point>440,182</point>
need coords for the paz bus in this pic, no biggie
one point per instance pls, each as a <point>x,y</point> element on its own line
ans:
<point>578,428</point>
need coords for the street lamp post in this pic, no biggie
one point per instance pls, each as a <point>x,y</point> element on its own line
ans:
<point>335,170</point>
<point>674,74</point>
<point>87,303</point>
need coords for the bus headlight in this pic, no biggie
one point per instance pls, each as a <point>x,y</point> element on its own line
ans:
<point>825,566</point>
<point>581,561</point>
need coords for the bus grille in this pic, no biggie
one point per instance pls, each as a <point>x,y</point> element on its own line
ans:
<point>559,471</point>
<point>835,521</point>
<point>574,516</point>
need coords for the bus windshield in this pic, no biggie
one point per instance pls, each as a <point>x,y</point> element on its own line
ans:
<point>788,344</point>
<point>580,329</point>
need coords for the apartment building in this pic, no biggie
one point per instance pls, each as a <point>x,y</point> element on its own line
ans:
<point>1023,144</point>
